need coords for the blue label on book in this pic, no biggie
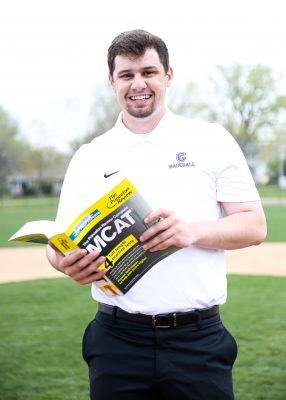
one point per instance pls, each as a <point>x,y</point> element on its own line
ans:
<point>86,219</point>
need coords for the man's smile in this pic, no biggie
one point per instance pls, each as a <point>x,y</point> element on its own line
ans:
<point>140,97</point>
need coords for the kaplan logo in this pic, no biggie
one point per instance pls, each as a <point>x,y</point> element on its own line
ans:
<point>182,163</point>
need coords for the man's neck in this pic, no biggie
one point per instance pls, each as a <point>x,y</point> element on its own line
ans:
<point>142,125</point>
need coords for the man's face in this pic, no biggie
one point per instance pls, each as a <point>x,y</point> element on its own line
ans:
<point>140,83</point>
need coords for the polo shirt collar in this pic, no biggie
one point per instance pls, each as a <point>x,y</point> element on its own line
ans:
<point>155,136</point>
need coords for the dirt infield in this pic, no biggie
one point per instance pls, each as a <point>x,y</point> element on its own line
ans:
<point>27,263</point>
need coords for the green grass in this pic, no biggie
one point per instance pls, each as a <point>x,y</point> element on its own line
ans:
<point>255,314</point>
<point>276,223</point>
<point>15,212</point>
<point>41,328</point>
<point>270,191</point>
<point>42,324</point>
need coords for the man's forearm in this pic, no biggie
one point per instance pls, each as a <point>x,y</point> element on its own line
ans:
<point>52,257</point>
<point>234,231</point>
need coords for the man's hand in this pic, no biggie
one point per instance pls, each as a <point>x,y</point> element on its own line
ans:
<point>170,230</point>
<point>243,225</point>
<point>81,266</point>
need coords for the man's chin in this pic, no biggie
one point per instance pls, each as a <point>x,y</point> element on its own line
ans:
<point>140,113</point>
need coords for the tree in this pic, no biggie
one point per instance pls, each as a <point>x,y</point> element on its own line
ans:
<point>246,101</point>
<point>104,113</point>
<point>11,147</point>
<point>42,168</point>
<point>248,104</point>
<point>189,101</point>
<point>273,151</point>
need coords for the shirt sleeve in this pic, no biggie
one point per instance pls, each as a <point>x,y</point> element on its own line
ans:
<point>234,179</point>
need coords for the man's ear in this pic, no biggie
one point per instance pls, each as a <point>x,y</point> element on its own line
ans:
<point>111,81</point>
<point>169,76</point>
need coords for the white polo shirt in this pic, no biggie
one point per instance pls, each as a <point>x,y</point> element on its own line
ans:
<point>182,165</point>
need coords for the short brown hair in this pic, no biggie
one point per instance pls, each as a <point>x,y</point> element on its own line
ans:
<point>136,42</point>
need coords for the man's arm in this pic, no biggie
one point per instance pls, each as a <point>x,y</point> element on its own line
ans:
<point>80,265</point>
<point>244,225</point>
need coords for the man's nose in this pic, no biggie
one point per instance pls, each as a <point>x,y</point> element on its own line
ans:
<point>138,82</point>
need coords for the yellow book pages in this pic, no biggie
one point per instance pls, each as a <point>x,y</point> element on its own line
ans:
<point>63,243</point>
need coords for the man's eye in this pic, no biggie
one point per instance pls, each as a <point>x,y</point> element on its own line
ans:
<point>126,76</point>
<point>149,73</point>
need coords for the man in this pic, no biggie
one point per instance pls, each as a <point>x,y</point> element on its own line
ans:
<point>164,339</point>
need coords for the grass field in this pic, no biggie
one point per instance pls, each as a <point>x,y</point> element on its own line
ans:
<point>14,213</point>
<point>271,191</point>
<point>276,223</point>
<point>42,324</point>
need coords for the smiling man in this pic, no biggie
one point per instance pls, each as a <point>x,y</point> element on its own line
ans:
<point>164,338</point>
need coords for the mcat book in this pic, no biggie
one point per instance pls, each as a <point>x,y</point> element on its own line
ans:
<point>112,225</point>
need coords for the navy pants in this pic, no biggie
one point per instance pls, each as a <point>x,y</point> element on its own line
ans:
<point>129,361</point>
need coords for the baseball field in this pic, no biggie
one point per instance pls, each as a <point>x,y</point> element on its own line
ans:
<point>43,316</point>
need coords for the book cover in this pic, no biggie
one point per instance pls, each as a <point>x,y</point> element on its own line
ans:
<point>112,226</point>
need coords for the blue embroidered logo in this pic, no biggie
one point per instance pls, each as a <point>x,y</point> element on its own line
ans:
<point>182,163</point>
<point>181,156</point>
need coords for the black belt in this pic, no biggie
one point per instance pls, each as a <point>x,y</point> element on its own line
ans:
<point>160,320</point>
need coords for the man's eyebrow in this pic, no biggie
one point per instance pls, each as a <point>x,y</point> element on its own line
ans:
<point>124,71</point>
<point>151,67</point>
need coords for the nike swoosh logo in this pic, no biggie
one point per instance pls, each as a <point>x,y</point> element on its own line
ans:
<point>108,175</point>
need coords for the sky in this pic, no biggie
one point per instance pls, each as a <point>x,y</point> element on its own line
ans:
<point>53,52</point>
